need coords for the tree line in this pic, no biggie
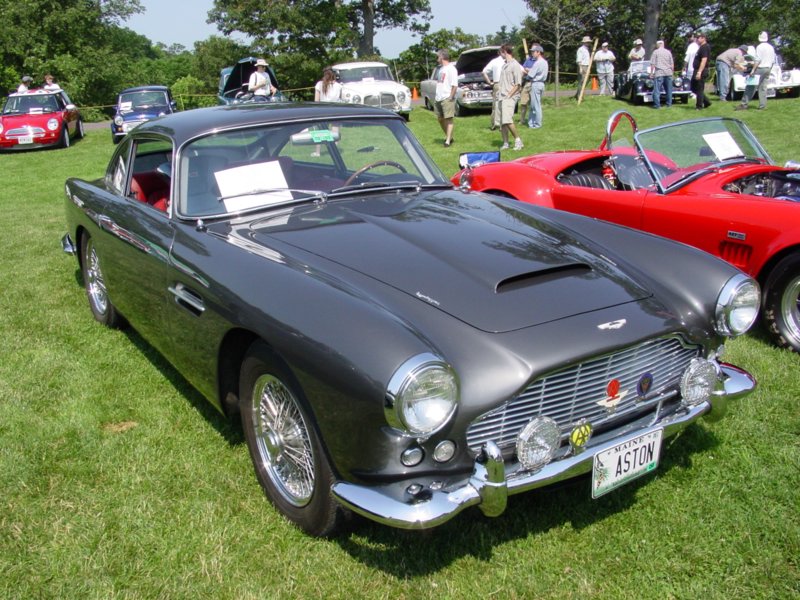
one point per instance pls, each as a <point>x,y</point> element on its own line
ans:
<point>86,46</point>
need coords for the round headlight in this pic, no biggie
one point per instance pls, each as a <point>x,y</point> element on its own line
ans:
<point>401,97</point>
<point>537,443</point>
<point>118,121</point>
<point>52,124</point>
<point>698,381</point>
<point>356,99</point>
<point>422,395</point>
<point>737,305</point>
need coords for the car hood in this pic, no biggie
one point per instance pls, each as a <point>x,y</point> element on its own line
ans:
<point>475,60</point>
<point>481,261</point>
<point>373,86</point>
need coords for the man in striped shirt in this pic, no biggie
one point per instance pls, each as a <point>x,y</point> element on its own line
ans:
<point>662,67</point>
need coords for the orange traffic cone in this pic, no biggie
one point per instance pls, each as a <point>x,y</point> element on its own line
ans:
<point>414,94</point>
<point>594,84</point>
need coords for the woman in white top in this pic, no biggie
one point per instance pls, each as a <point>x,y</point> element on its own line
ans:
<point>327,88</point>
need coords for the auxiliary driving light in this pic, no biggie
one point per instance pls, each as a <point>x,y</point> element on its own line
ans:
<point>698,381</point>
<point>412,456</point>
<point>444,451</point>
<point>537,443</point>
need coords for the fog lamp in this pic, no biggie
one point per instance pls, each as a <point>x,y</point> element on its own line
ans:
<point>537,443</point>
<point>698,381</point>
<point>444,451</point>
<point>411,457</point>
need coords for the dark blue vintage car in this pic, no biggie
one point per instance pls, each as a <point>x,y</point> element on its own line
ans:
<point>139,104</point>
<point>395,346</point>
<point>636,84</point>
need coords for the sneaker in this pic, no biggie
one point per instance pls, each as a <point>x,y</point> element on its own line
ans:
<point>518,144</point>
<point>315,154</point>
<point>762,108</point>
<point>741,107</point>
<point>504,147</point>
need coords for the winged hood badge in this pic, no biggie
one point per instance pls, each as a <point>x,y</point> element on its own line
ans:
<point>619,323</point>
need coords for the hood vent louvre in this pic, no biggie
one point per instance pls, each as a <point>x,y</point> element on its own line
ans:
<point>543,276</point>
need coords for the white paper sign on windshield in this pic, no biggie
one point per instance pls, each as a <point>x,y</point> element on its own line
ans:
<point>248,186</point>
<point>723,145</point>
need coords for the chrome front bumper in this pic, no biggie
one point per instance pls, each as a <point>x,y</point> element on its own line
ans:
<point>492,481</point>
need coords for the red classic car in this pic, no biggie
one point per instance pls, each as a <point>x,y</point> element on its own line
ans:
<point>37,119</point>
<point>706,182</point>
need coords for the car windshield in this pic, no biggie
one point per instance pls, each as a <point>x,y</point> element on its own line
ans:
<point>679,150</point>
<point>352,74</point>
<point>31,104</point>
<point>259,168</point>
<point>146,100</point>
<point>642,66</point>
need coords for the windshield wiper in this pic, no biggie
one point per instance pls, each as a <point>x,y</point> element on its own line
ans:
<point>367,185</point>
<point>312,194</point>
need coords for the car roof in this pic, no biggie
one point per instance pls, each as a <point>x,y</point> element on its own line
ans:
<point>146,88</point>
<point>186,125</point>
<point>359,65</point>
<point>37,92</point>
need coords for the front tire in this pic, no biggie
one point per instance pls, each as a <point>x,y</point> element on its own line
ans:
<point>65,137</point>
<point>79,130</point>
<point>782,303</point>
<point>94,283</point>
<point>287,455</point>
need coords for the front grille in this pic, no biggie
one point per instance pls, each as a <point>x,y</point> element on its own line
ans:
<point>385,100</point>
<point>23,131</point>
<point>572,394</point>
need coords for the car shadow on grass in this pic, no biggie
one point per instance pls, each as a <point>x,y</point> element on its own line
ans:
<point>406,554</point>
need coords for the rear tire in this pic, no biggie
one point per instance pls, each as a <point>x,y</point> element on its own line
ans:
<point>287,455</point>
<point>95,285</point>
<point>782,303</point>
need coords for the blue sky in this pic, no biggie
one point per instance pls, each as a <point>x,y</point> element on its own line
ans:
<point>184,21</point>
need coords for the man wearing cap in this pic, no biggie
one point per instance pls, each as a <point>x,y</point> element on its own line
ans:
<point>260,83</point>
<point>729,61</point>
<point>637,52</point>
<point>662,68</point>
<point>604,59</point>
<point>538,76</point>
<point>25,84</point>
<point>759,73</point>
<point>583,58</point>
<point>525,94</point>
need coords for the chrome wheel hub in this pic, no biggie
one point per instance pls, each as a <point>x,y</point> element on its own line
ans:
<point>790,307</point>
<point>282,440</point>
<point>95,283</point>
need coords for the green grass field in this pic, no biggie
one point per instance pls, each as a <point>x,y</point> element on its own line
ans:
<point>118,480</point>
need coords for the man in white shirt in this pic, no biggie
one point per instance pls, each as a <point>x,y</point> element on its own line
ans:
<point>260,83</point>
<point>759,73</point>
<point>491,74</point>
<point>688,59</point>
<point>582,59</point>
<point>604,61</point>
<point>444,105</point>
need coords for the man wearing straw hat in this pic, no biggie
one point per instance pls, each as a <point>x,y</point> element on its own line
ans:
<point>583,58</point>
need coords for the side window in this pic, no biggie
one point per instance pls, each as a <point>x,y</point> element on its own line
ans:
<point>118,174</point>
<point>151,173</point>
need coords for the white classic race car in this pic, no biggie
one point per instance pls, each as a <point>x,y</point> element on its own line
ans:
<point>783,82</point>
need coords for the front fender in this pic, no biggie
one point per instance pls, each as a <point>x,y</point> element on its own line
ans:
<point>514,180</point>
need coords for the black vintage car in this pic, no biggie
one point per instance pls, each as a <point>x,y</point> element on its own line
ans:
<point>636,84</point>
<point>395,346</point>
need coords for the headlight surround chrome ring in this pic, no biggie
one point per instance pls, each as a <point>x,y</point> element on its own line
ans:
<point>737,305</point>
<point>421,396</point>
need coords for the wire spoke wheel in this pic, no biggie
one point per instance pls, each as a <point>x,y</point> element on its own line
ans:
<point>282,440</point>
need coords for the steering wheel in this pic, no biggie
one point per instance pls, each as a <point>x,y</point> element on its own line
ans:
<point>379,163</point>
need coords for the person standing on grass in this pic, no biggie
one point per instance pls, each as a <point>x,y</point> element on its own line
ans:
<point>765,59</point>
<point>702,64</point>
<point>604,59</point>
<point>491,74</point>
<point>538,76</point>
<point>662,69</point>
<point>510,86</point>
<point>582,58</point>
<point>444,105</point>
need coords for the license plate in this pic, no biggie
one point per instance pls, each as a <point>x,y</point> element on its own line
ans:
<point>25,139</point>
<point>625,462</point>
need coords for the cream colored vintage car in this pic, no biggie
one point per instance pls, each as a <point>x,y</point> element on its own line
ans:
<point>372,84</point>
<point>782,82</point>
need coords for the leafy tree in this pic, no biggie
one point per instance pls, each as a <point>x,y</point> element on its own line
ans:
<point>211,55</point>
<point>418,61</point>
<point>318,29</point>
